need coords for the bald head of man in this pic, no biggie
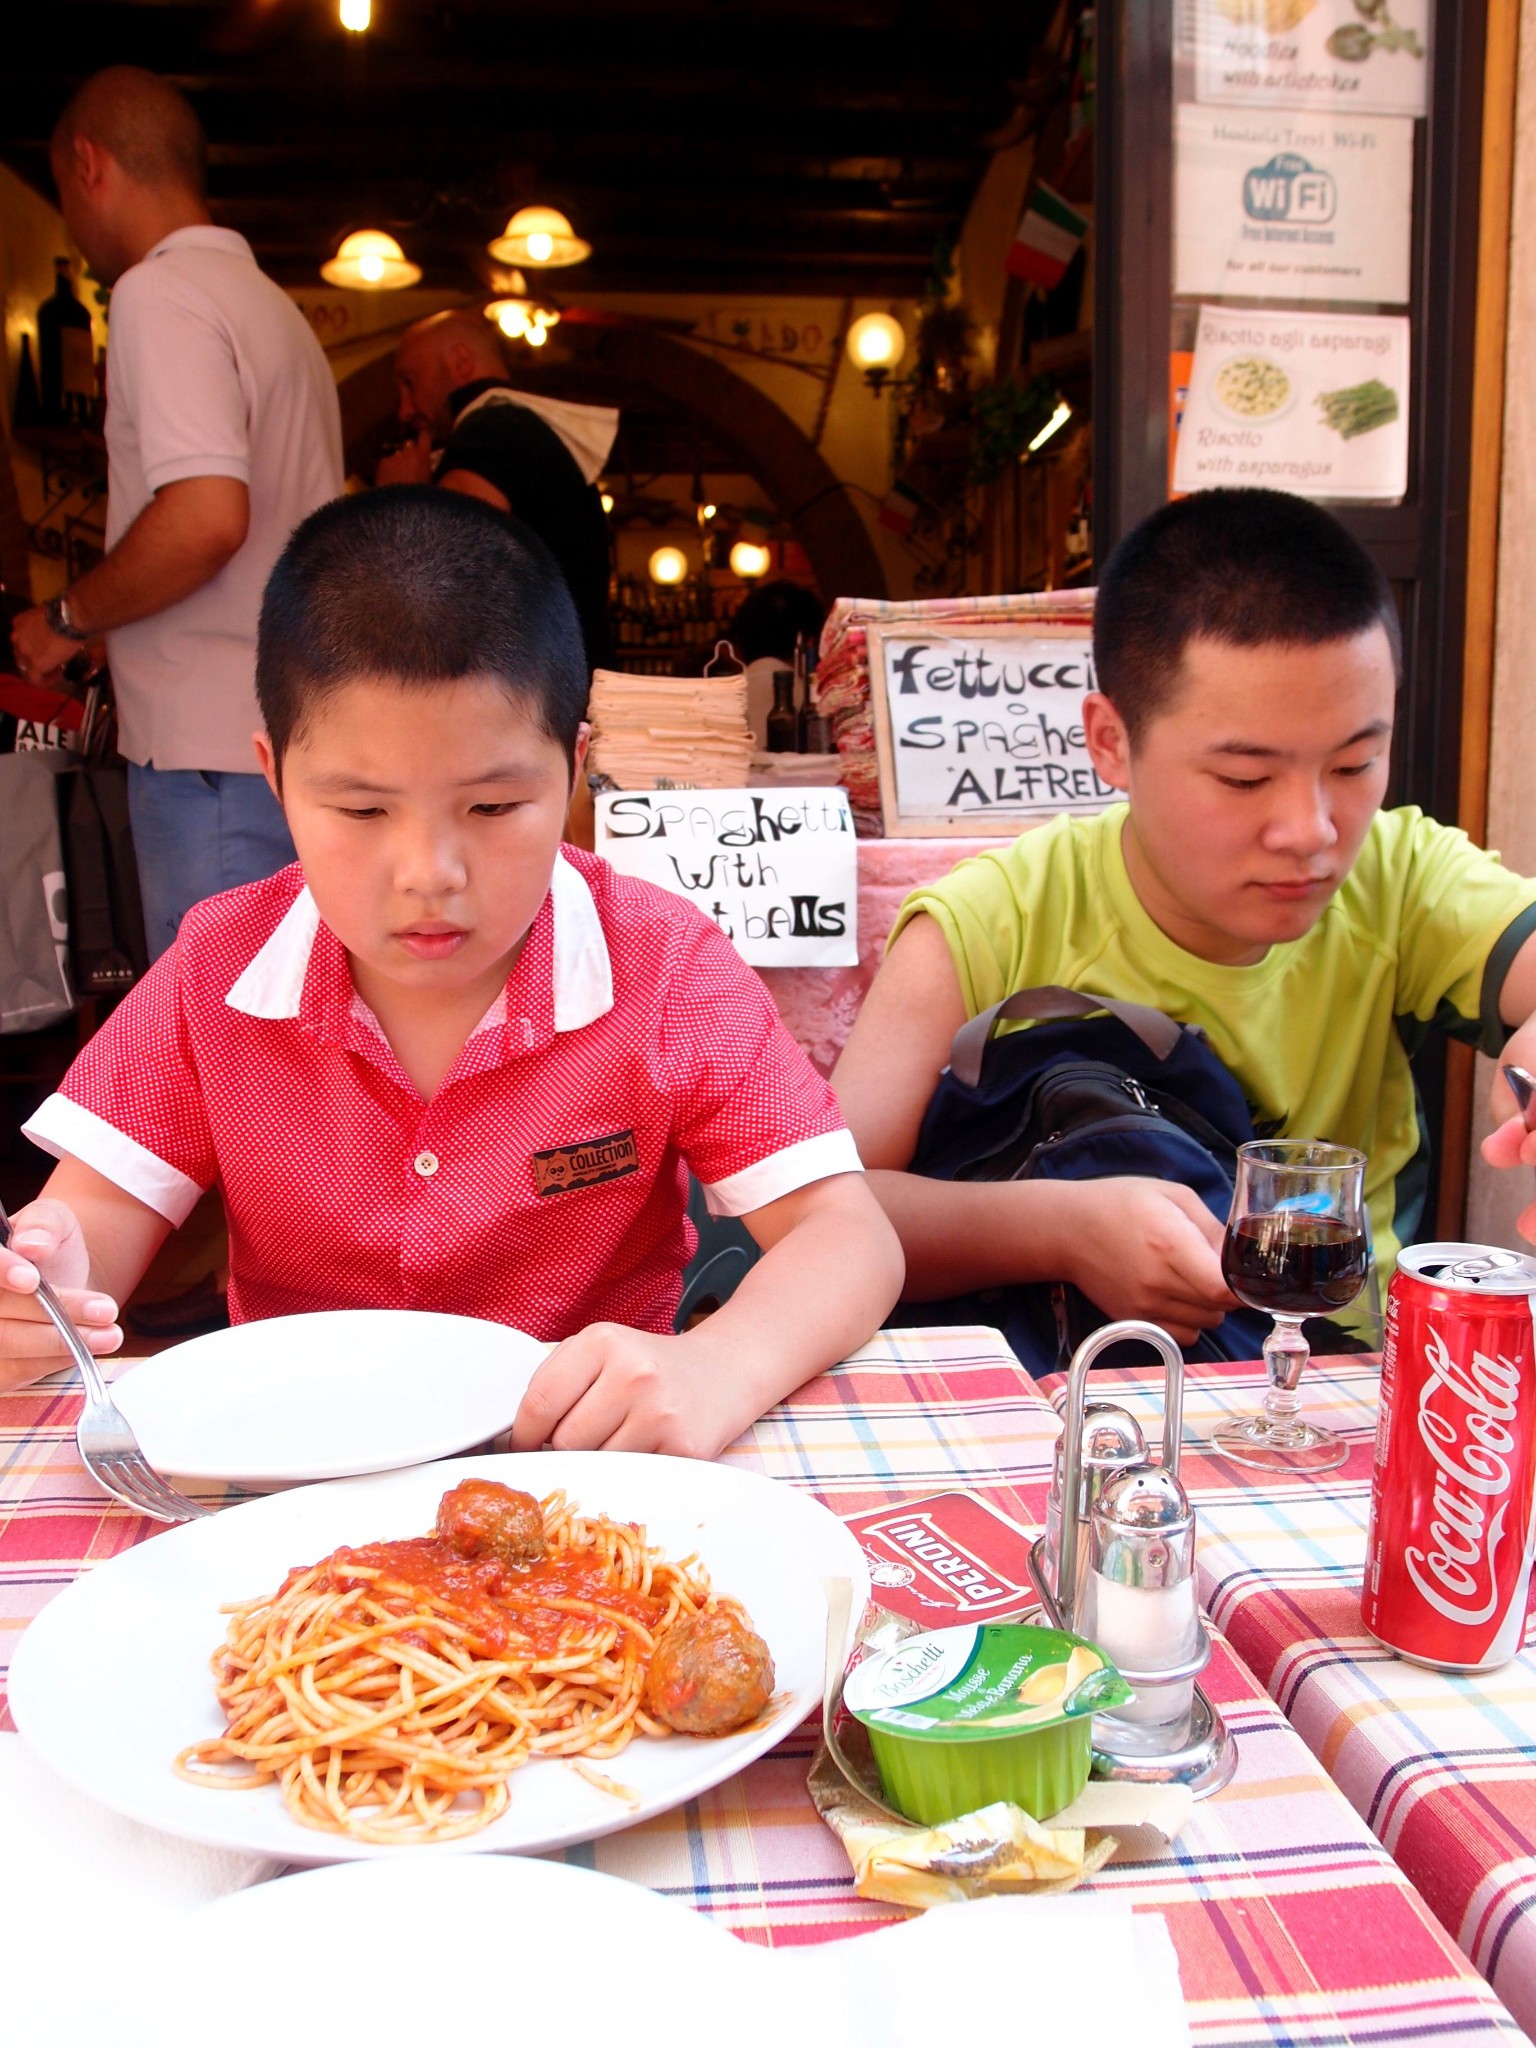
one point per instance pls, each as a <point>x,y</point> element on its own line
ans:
<point>130,160</point>
<point>437,357</point>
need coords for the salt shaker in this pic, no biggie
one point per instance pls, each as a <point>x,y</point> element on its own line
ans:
<point>1112,1442</point>
<point>1139,1599</point>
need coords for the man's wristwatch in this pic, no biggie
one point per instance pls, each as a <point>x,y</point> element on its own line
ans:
<point>56,612</point>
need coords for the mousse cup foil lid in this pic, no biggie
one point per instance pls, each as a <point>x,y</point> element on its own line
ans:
<point>982,1682</point>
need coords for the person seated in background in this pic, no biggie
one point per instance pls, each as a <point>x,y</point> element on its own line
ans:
<point>442,1062</point>
<point>767,624</point>
<point>535,457</point>
<point>1248,659</point>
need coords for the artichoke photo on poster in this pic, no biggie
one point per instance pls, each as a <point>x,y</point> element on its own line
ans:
<point>1343,56</point>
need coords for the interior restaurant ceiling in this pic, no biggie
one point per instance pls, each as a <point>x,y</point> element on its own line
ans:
<point>807,147</point>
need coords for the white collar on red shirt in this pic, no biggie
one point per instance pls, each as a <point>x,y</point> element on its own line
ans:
<point>273,984</point>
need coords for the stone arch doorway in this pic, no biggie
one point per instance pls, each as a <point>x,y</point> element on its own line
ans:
<point>609,365</point>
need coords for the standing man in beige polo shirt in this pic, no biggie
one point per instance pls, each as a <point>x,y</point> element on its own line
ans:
<point>223,432</point>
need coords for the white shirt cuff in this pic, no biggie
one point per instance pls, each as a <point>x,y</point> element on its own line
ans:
<point>782,1172</point>
<point>180,469</point>
<point>66,1130</point>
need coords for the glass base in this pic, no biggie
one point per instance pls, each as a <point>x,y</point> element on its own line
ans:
<point>1273,1447</point>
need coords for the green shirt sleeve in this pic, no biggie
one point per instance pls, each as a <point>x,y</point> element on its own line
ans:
<point>1462,917</point>
<point>977,909</point>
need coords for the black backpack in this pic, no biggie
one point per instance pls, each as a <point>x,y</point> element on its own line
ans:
<point>1096,1088</point>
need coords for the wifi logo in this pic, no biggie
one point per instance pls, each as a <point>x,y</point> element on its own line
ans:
<point>1288,188</point>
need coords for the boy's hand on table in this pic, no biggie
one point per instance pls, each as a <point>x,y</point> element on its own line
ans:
<point>1146,1249</point>
<point>610,1388</point>
<point>46,1239</point>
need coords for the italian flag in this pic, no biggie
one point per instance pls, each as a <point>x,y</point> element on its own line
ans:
<point>1048,237</point>
<point>898,512</point>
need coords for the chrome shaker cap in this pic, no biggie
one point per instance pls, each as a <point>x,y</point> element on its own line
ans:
<point>1143,1529</point>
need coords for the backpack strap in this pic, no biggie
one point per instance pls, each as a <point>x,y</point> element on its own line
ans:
<point>1159,1034</point>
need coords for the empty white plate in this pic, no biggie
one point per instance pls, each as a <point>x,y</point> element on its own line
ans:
<point>327,1396</point>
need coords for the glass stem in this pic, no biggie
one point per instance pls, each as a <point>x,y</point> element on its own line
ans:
<point>1286,1352</point>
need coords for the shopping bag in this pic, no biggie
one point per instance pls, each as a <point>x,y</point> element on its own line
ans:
<point>34,972</point>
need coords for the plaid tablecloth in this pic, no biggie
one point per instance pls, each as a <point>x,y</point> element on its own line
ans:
<point>1292,1923</point>
<point>1442,1768</point>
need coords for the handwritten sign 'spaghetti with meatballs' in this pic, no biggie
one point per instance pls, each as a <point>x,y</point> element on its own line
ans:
<point>776,869</point>
<point>982,733</point>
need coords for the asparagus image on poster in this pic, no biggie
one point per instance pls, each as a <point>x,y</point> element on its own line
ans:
<point>1343,56</point>
<point>1292,206</point>
<point>1309,402</point>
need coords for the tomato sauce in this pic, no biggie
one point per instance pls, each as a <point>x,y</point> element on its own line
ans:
<point>504,1604</point>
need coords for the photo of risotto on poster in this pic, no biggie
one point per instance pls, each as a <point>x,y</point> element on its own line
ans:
<point>1307,402</point>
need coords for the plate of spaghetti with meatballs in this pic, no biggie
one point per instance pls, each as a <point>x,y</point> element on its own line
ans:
<point>504,1652</point>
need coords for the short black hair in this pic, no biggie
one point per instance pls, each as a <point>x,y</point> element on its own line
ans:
<point>417,586</point>
<point>1250,568</point>
<point>144,122</point>
<point>769,619</point>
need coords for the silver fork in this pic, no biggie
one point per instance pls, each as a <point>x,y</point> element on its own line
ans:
<point>109,1450</point>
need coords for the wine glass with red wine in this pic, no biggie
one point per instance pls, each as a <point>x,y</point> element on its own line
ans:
<point>1296,1245</point>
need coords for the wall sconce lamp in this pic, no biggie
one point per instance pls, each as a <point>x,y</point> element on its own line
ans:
<point>668,565</point>
<point>749,560</point>
<point>876,344</point>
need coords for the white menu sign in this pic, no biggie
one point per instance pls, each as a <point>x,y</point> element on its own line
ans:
<point>982,732</point>
<point>1292,206</point>
<point>1352,56</point>
<point>776,869</point>
<point>1315,403</point>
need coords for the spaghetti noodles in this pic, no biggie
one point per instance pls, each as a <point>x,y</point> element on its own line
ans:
<point>392,1689</point>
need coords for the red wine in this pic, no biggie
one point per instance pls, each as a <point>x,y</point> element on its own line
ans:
<point>1293,1264</point>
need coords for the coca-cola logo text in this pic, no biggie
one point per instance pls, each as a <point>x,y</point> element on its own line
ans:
<point>1471,1444</point>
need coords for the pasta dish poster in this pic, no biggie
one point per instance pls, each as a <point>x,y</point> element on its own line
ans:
<point>1345,56</point>
<point>1308,402</point>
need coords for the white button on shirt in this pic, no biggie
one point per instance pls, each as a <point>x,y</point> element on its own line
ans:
<point>212,371</point>
<point>426,1164</point>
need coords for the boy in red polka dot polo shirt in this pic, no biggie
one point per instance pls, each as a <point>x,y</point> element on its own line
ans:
<point>444,1062</point>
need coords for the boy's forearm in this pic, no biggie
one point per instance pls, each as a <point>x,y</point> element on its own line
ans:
<point>818,1293</point>
<point>121,1233</point>
<point>960,1235</point>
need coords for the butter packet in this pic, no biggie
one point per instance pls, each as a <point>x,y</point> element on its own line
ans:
<point>998,1852</point>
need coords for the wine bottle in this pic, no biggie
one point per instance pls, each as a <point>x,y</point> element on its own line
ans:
<point>783,733</point>
<point>28,409</point>
<point>65,358</point>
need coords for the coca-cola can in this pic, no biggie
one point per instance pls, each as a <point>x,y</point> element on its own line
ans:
<point>1449,1548</point>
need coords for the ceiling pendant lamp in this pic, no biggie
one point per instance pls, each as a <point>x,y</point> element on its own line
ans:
<point>523,319</point>
<point>542,238</point>
<point>369,261</point>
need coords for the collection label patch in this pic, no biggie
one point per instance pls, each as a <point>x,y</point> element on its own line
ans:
<point>564,1167</point>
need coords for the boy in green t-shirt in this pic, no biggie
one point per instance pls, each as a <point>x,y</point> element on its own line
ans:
<point>1248,659</point>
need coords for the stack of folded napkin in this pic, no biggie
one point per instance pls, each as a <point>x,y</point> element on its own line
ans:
<point>683,732</point>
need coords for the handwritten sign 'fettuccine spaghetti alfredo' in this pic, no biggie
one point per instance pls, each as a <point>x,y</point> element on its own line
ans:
<point>982,733</point>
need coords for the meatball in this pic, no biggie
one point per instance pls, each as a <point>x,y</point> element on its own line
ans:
<point>481,1518</point>
<point>710,1673</point>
